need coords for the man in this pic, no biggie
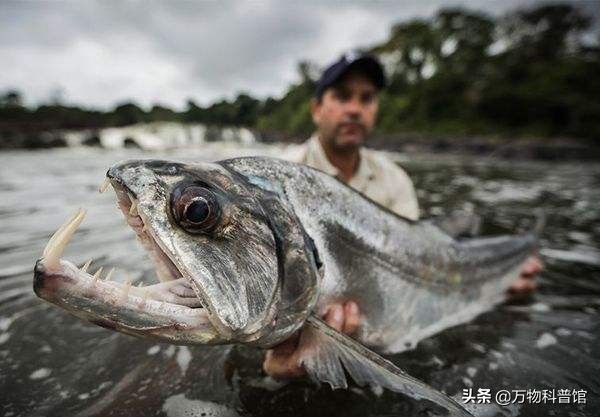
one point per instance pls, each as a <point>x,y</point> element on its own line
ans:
<point>344,110</point>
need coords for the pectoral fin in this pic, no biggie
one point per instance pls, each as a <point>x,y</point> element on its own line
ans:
<point>325,353</point>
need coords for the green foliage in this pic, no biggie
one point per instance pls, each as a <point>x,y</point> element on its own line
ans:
<point>463,72</point>
<point>291,114</point>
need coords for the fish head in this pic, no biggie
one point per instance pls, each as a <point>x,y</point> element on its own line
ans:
<point>213,232</point>
<point>235,264</point>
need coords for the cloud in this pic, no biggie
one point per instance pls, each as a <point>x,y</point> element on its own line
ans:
<point>99,53</point>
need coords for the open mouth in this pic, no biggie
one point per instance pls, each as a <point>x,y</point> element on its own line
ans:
<point>172,301</point>
<point>127,203</point>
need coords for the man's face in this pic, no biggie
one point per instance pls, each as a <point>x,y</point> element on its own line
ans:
<point>346,113</point>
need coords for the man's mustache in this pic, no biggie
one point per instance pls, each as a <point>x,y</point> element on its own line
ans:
<point>353,124</point>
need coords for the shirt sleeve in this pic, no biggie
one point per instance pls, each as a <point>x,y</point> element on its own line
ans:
<point>402,197</point>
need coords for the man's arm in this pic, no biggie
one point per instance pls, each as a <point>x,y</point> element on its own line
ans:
<point>401,195</point>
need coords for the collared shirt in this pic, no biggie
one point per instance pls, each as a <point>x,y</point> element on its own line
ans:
<point>377,177</point>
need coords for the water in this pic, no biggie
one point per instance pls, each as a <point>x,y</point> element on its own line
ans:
<point>52,364</point>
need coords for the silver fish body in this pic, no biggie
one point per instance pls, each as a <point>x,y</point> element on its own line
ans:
<point>251,250</point>
<point>410,279</point>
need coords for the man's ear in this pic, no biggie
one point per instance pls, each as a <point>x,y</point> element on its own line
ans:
<point>315,109</point>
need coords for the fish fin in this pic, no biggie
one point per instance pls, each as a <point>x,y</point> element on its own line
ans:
<point>326,353</point>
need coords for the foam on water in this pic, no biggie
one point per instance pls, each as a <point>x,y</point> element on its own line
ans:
<point>40,373</point>
<point>545,340</point>
<point>179,406</point>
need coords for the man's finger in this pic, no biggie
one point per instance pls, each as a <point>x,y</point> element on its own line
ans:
<point>352,317</point>
<point>282,367</point>
<point>523,286</point>
<point>532,267</point>
<point>335,317</point>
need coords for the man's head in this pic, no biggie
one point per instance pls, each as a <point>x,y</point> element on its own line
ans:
<point>345,104</point>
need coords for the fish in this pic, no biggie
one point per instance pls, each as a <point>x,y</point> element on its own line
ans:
<point>253,250</point>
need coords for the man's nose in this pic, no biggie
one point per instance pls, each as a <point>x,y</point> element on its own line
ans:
<point>353,107</point>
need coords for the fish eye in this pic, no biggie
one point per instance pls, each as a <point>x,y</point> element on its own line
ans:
<point>197,211</point>
<point>195,208</point>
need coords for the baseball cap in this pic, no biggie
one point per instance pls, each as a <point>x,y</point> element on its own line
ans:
<point>366,64</point>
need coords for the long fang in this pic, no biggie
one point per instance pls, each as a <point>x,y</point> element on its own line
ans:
<point>104,185</point>
<point>57,243</point>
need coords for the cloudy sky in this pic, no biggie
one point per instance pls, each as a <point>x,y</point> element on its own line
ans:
<point>99,53</point>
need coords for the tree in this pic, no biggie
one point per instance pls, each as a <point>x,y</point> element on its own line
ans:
<point>127,114</point>
<point>11,98</point>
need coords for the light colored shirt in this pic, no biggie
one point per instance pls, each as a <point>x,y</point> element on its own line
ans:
<point>377,177</point>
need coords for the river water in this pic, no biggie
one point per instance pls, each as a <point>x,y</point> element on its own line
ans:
<point>52,364</point>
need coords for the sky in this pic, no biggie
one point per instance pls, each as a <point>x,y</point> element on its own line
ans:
<point>101,53</point>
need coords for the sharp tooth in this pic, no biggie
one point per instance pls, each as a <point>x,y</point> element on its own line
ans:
<point>109,275</point>
<point>86,265</point>
<point>126,288</point>
<point>133,209</point>
<point>56,246</point>
<point>97,275</point>
<point>104,185</point>
<point>145,297</point>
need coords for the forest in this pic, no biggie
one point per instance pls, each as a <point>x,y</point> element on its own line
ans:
<point>530,73</point>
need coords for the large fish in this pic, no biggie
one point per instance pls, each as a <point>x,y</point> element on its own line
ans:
<point>251,250</point>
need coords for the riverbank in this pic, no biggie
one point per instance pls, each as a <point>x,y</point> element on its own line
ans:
<point>547,149</point>
<point>170,135</point>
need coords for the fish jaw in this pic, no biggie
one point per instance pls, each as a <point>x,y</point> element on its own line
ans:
<point>139,311</point>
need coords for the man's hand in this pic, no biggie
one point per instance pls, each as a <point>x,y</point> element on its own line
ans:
<point>283,361</point>
<point>527,280</point>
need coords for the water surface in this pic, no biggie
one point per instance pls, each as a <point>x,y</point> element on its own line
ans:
<point>52,364</point>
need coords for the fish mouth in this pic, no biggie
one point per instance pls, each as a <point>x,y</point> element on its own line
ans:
<point>166,268</point>
<point>170,310</point>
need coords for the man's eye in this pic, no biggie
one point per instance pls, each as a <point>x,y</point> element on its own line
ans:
<point>367,98</point>
<point>342,96</point>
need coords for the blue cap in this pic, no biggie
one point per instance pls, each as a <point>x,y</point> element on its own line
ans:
<point>365,64</point>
